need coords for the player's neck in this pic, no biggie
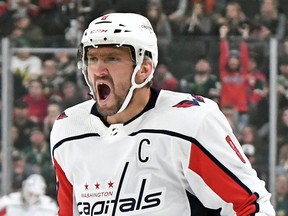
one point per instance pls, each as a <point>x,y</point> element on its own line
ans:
<point>137,104</point>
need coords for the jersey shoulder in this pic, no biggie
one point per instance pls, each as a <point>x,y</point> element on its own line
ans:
<point>181,112</point>
<point>72,122</point>
<point>185,102</point>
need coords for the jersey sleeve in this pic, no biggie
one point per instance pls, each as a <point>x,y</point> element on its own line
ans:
<point>220,175</point>
<point>3,205</point>
<point>68,124</point>
<point>65,196</point>
<point>65,191</point>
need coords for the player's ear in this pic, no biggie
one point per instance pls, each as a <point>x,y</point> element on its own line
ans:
<point>145,70</point>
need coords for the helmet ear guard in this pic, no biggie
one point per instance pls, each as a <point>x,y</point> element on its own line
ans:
<point>81,65</point>
<point>79,57</point>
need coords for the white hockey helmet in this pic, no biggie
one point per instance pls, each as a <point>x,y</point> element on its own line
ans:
<point>33,188</point>
<point>121,29</point>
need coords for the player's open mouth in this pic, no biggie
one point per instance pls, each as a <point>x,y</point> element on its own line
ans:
<point>103,91</point>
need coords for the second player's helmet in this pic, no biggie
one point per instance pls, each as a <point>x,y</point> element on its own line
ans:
<point>121,29</point>
<point>33,188</point>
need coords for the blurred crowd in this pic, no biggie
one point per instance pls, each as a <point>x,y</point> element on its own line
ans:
<point>215,48</point>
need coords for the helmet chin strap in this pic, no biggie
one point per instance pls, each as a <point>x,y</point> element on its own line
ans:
<point>134,86</point>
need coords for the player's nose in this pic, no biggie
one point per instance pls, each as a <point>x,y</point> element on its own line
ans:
<point>99,68</point>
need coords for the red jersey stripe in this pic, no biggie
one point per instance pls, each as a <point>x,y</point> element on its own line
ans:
<point>222,183</point>
<point>3,212</point>
<point>65,192</point>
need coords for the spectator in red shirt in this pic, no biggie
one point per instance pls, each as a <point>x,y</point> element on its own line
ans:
<point>37,101</point>
<point>233,73</point>
<point>3,7</point>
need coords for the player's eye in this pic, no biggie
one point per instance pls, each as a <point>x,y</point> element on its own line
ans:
<point>111,59</point>
<point>92,59</point>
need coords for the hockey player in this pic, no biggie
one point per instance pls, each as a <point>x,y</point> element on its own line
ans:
<point>30,201</point>
<point>135,150</point>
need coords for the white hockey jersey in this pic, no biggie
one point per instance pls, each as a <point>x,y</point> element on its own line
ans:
<point>14,205</point>
<point>180,147</point>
